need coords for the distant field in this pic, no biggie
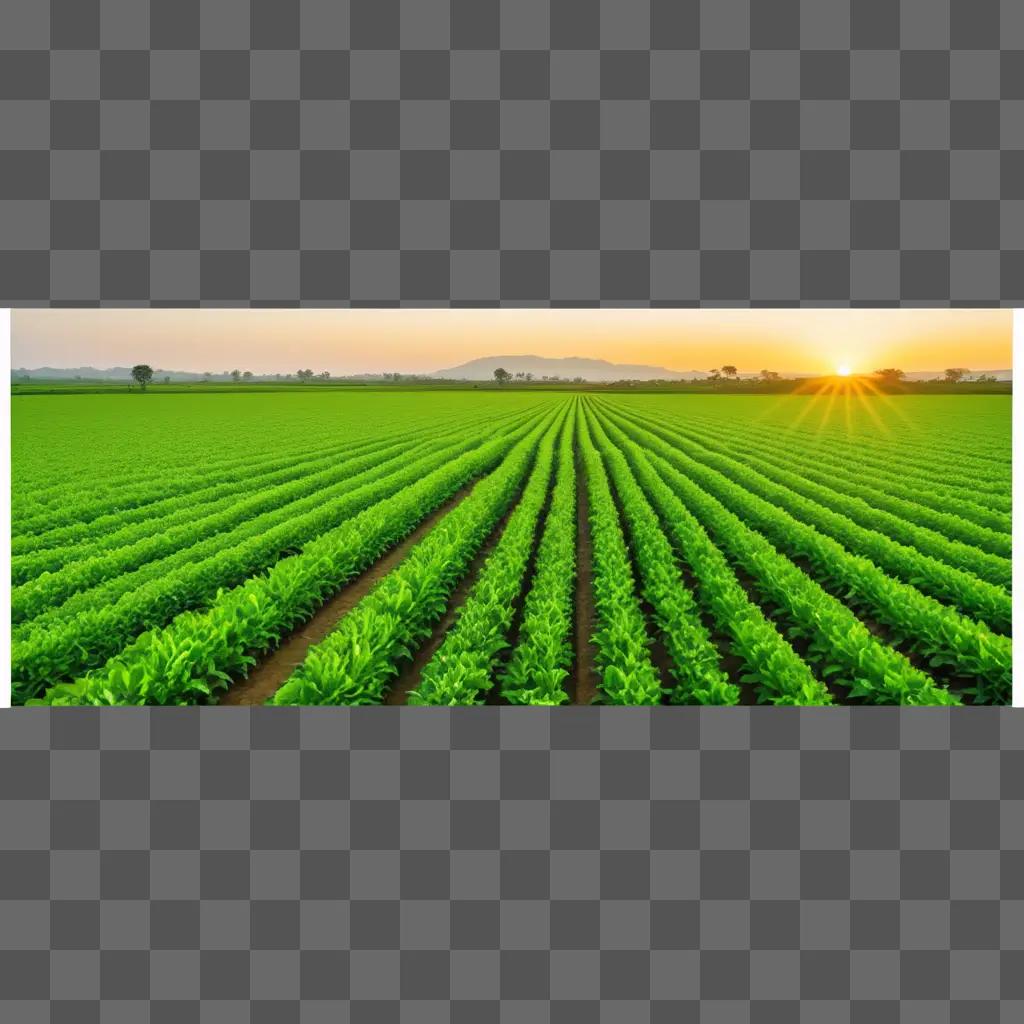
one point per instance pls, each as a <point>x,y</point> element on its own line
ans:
<point>336,546</point>
<point>742,386</point>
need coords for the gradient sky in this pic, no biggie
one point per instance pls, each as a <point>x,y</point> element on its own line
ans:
<point>346,341</point>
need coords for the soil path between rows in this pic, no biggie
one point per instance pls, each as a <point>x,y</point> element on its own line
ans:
<point>584,679</point>
<point>409,676</point>
<point>268,675</point>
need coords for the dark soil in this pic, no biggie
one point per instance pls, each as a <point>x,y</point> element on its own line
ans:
<point>409,676</point>
<point>268,675</point>
<point>583,677</point>
<point>519,604</point>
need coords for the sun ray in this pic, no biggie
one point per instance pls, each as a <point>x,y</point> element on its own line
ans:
<point>832,395</point>
<point>889,404</point>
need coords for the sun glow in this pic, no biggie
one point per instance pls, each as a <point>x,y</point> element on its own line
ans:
<point>843,370</point>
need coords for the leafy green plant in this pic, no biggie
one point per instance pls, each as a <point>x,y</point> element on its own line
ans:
<point>695,660</point>
<point>355,663</point>
<point>377,516</point>
<point>623,656</point>
<point>839,643</point>
<point>938,632</point>
<point>772,665</point>
<point>973,596</point>
<point>537,670</point>
<point>461,670</point>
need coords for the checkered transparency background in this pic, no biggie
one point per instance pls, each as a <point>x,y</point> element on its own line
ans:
<point>530,152</point>
<point>499,865</point>
<point>511,865</point>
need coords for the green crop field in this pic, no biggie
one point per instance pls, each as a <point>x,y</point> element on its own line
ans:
<point>527,547</point>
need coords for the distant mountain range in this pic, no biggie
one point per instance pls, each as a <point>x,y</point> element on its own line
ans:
<point>568,367</point>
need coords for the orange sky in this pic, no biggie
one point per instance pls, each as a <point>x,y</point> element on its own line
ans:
<point>421,340</point>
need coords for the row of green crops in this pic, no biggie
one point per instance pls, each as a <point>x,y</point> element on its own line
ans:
<point>94,447</point>
<point>944,434</point>
<point>50,652</point>
<point>944,581</point>
<point>940,633</point>
<point>694,658</point>
<point>863,497</point>
<point>875,462</point>
<point>539,665</point>
<point>770,663</point>
<point>183,541</point>
<point>462,668</point>
<point>354,664</point>
<point>71,517</point>
<point>201,651</point>
<point>106,522</point>
<point>623,656</point>
<point>785,549</point>
<point>839,644</point>
<point>42,552</point>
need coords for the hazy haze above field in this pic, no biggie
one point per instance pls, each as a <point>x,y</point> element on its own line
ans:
<point>352,341</point>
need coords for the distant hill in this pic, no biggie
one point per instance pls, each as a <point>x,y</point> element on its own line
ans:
<point>568,367</point>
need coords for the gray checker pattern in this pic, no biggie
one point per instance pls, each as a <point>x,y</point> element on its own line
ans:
<point>741,866</point>
<point>513,152</point>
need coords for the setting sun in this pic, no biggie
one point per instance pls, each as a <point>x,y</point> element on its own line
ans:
<point>843,370</point>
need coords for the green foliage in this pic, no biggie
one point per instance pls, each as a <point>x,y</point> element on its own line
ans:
<point>939,633</point>
<point>200,651</point>
<point>814,549</point>
<point>778,672</point>
<point>142,375</point>
<point>537,670</point>
<point>695,661</point>
<point>461,671</point>
<point>623,658</point>
<point>946,582</point>
<point>357,661</point>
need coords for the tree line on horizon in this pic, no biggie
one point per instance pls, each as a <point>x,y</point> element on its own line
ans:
<point>888,375</point>
<point>143,375</point>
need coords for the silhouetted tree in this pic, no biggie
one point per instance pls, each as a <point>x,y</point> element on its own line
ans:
<point>769,375</point>
<point>890,375</point>
<point>729,371</point>
<point>502,376</point>
<point>142,374</point>
<point>955,374</point>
